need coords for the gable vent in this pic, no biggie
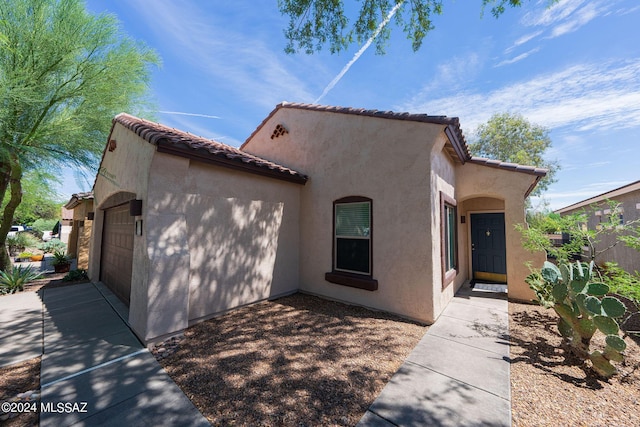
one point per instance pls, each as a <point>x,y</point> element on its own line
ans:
<point>279,131</point>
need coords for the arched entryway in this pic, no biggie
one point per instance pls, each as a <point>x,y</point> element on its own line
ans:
<point>484,235</point>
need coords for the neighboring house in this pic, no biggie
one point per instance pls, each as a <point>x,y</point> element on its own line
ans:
<point>598,211</point>
<point>78,242</point>
<point>379,209</point>
<point>66,225</point>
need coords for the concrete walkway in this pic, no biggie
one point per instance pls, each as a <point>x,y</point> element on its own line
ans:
<point>94,371</point>
<point>458,375</point>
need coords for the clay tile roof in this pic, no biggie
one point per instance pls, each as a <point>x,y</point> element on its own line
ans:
<point>458,147</point>
<point>76,198</point>
<point>532,170</point>
<point>173,141</point>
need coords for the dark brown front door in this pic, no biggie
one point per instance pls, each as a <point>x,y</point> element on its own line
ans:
<point>117,251</point>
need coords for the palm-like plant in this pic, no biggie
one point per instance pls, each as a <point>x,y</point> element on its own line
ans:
<point>13,281</point>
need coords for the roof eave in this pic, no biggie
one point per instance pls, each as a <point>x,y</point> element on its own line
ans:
<point>204,156</point>
<point>458,146</point>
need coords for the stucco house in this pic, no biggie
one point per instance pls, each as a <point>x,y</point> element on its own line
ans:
<point>81,206</point>
<point>598,211</point>
<point>381,209</point>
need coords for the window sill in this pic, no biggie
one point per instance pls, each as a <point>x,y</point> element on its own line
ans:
<point>352,280</point>
<point>448,278</point>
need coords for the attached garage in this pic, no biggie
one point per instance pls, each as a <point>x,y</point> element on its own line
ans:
<point>117,251</point>
<point>187,228</point>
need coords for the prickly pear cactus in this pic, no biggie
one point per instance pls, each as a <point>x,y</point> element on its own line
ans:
<point>584,308</point>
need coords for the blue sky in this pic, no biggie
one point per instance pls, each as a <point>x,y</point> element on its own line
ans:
<point>574,68</point>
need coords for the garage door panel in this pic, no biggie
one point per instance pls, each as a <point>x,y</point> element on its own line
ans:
<point>117,251</point>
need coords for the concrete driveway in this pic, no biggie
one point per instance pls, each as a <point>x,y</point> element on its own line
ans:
<point>94,371</point>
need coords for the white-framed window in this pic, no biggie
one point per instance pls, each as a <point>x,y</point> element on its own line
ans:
<point>352,235</point>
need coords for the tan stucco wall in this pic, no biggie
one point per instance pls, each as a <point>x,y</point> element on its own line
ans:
<point>213,238</point>
<point>80,237</point>
<point>388,161</point>
<point>217,239</point>
<point>479,184</point>
<point>443,181</point>
<point>125,169</point>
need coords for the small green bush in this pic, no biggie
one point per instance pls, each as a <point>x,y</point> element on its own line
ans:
<point>43,225</point>
<point>20,241</point>
<point>14,280</point>
<point>621,282</point>
<point>53,245</point>
<point>75,275</point>
<point>59,257</point>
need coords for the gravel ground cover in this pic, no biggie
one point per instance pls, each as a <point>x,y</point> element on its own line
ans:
<point>302,360</point>
<point>551,388</point>
<point>296,361</point>
<point>20,383</point>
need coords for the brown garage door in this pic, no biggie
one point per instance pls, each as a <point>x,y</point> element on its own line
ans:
<point>117,251</point>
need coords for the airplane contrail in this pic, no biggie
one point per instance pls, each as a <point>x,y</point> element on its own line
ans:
<point>358,53</point>
<point>189,114</point>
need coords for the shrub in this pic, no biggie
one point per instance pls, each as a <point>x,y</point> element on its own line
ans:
<point>43,225</point>
<point>59,258</point>
<point>75,275</point>
<point>622,282</point>
<point>20,241</point>
<point>53,245</point>
<point>14,280</point>
<point>583,308</point>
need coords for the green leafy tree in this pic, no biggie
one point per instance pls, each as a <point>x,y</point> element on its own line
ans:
<point>38,201</point>
<point>316,23</point>
<point>511,138</point>
<point>64,74</point>
<point>535,237</point>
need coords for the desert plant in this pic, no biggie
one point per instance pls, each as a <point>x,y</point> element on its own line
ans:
<point>13,243</point>
<point>13,281</point>
<point>54,245</point>
<point>60,258</point>
<point>622,282</point>
<point>25,255</point>
<point>20,241</point>
<point>583,308</point>
<point>581,238</point>
<point>78,274</point>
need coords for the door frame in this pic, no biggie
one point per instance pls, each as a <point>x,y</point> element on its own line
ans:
<point>470,240</point>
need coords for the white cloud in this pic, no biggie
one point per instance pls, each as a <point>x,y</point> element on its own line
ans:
<point>524,39</point>
<point>238,58</point>
<point>561,199</point>
<point>587,96</point>
<point>453,75</point>
<point>582,17</point>
<point>518,58</point>
<point>551,15</point>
